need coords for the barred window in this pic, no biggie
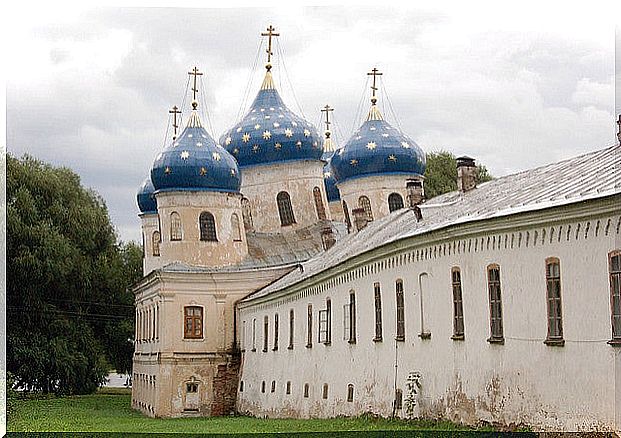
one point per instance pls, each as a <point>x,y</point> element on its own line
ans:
<point>273,385</point>
<point>266,327</point>
<point>285,210</point>
<point>306,390</point>
<point>615,295</point>
<point>275,332</point>
<point>458,307</point>
<point>155,242</point>
<point>395,202</point>
<point>555,314</point>
<point>193,322</point>
<point>319,207</point>
<point>378,312</point>
<point>495,304</point>
<point>208,227</point>
<point>400,311</point>
<point>363,202</point>
<point>309,322</point>
<point>352,318</point>
<point>350,392</point>
<point>254,334</point>
<point>246,213</point>
<point>291,327</point>
<point>325,323</point>
<point>176,233</point>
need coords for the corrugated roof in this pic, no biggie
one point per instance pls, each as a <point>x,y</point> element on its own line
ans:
<point>589,176</point>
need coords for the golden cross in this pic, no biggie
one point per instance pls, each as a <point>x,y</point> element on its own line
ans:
<point>375,72</point>
<point>174,111</point>
<point>269,34</point>
<point>326,109</point>
<point>195,73</point>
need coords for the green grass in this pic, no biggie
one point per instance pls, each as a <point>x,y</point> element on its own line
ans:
<point>110,411</point>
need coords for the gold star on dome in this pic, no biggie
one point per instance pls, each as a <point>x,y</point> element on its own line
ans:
<point>246,137</point>
<point>267,135</point>
<point>277,146</point>
<point>203,171</point>
<point>306,133</point>
<point>288,132</point>
<point>238,129</point>
<point>392,158</point>
<point>262,109</point>
<point>216,156</point>
<point>271,108</point>
<point>227,141</point>
<point>276,124</point>
<point>255,148</point>
<point>353,162</point>
<point>185,155</point>
<point>257,126</point>
<point>405,144</point>
<point>167,170</point>
<point>235,151</point>
<point>267,117</point>
<point>233,172</point>
<point>371,145</point>
<point>298,144</point>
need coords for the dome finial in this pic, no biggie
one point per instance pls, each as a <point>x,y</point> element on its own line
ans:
<point>327,109</point>
<point>194,73</point>
<point>269,34</point>
<point>174,111</point>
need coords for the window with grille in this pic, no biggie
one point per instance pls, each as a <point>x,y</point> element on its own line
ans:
<point>325,323</point>
<point>193,322</point>
<point>400,311</point>
<point>285,210</point>
<point>495,304</point>
<point>378,312</point>
<point>275,332</point>
<point>395,202</point>
<point>266,328</point>
<point>555,314</point>
<point>351,318</point>
<point>291,327</point>
<point>175,226</point>
<point>309,322</point>
<point>235,228</point>
<point>319,207</point>
<point>208,227</point>
<point>614,268</point>
<point>155,242</point>
<point>254,334</point>
<point>458,307</point>
<point>273,385</point>
<point>363,202</point>
<point>346,213</point>
<point>191,387</point>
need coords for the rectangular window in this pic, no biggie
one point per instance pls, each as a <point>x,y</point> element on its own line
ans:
<point>352,318</point>
<point>309,333</point>
<point>275,332</point>
<point>193,322</point>
<point>242,341</point>
<point>400,311</point>
<point>555,315</point>
<point>346,322</point>
<point>495,304</point>
<point>378,313</point>
<point>266,328</point>
<point>254,334</point>
<point>291,325</point>
<point>615,296</point>
<point>323,326</point>
<point>458,305</point>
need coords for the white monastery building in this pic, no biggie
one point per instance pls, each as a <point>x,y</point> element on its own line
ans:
<point>287,276</point>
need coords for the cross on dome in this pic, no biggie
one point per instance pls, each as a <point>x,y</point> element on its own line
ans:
<point>327,109</point>
<point>194,73</point>
<point>269,34</point>
<point>174,111</point>
<point>375,73</point>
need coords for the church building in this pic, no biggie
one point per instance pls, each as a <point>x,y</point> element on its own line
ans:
<point>288,276</point>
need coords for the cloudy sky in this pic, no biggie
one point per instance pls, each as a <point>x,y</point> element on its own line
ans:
<point>512,84</point>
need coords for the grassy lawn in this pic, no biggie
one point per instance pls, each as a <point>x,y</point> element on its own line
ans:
<point>109,412</point>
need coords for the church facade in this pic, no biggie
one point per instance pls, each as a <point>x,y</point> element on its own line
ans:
<point>286,276</point>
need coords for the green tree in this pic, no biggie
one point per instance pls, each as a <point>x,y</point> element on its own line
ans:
<point>70,314</point>
<point>441,174</point>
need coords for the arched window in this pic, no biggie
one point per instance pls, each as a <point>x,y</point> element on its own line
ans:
<point>395,202</point>
<point>155,242</point>
<point>235,229</point>
<point>363,202</point>
<point>246,214</point>
<point>346,212</point>
<point>284,209</point>
<point>321,211</point>
<point>175,226</point>
<point>306,390</point>
<point>208,227</point>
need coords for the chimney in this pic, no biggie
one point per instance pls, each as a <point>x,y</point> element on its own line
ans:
<point>415,191</point>
<point>360,218</point>
<point>466,174</point>
<point>327,238</point>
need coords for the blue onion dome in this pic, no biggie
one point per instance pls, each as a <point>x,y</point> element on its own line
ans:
<point>146,197</point>
<point>270,132</point>
<point>377,148</point>
<point>193,161</point>
<point>329,181</point>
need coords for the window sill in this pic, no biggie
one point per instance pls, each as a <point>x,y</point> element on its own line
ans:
<point>275,349</point>
<point>615,342</point>
<point>425,335</point>
<point>193,339</point>
<point>500,341</point>
<point>265,350</point>
<point>327,343</point>
<point>290,347</point>
<point>253,350</point>
<point>554,342</point>
<point>309,345</point>
<point>378,339</point>
<point>402,338</point>
<point>457,337</point>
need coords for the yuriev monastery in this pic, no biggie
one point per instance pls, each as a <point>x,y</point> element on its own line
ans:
<point>286,276</point>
